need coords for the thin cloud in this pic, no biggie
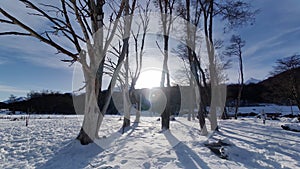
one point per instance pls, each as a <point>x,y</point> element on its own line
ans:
<point>3,60</point>
<point>11,89</point>
<point>271,42</point>
<point>32,51</point>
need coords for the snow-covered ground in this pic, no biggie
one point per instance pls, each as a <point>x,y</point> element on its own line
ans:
<point>50,143</point>
<point>268,108</point>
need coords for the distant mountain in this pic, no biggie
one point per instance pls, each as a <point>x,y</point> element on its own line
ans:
<point>252,81</point>
<point>18,99</point>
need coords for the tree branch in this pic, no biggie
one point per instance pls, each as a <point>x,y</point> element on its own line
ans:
<point>38,36</point>
<point>75,40</point>
<point>6,21</point>
<point>15,33</point>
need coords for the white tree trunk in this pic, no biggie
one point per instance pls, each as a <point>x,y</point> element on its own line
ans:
<point>192,99</point>
<point>137,116</point>
<point>126,100</point>
<point>89,131</point>
<point>126,106</point>
<point>138,110</point>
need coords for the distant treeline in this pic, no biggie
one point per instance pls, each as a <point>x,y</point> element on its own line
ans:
<point>58,103</point>
<point>50,103</point>
<point>43,103</point>
<point>275,89</point>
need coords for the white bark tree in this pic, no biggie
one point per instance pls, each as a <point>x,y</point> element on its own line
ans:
<point>81,23</point>
<point>166,8</point>
<point>128,76</point>
<point>236,13</point>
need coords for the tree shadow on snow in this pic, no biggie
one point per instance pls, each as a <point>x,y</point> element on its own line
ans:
<point>131,128</point>
<point>250,159</point>
<point>73,155</point>
<point>187,157</point>
<point>284,149</point>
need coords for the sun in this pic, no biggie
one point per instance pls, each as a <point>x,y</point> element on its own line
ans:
<point>148,79</point>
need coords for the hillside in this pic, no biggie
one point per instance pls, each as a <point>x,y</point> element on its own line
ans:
<point>275,89</point>
<point>278,87</point>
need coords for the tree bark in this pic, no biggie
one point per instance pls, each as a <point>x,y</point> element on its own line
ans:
<point>138,109</point>
<point>242,82</point>
<point>89,131</point>
<point>126,102</point>
<point>165,116</point>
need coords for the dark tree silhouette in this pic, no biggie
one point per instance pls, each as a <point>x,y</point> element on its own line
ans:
<point>290,65</point>
<point>235,49</point>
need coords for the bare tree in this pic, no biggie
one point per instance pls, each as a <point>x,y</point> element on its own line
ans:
<point>237,13</point>
<point>166,8</point>
<point>144,15</point>
<point>127,28</point>
<point>290,65</point>
<point>191,12</point>
<point>89,15</point>
<point>235,49</point>
<point>126,73</point>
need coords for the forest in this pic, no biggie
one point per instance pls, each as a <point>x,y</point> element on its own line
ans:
<point>271,90</point>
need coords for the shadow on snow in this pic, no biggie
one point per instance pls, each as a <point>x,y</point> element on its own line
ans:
<point>73,155</point>
<point>187,157</point>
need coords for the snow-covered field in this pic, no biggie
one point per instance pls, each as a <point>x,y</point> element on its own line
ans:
<point>268,108</point>
<point>50,143</point>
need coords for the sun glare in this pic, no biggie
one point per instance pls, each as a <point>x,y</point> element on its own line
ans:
<point>149,79</point>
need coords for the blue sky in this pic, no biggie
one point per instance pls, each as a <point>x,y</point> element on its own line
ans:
<point>26,64</point>
<point>274,35</point>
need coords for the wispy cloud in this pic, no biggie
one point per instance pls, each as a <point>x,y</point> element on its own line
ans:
<point>3,60</point>
<point>32,51</point>
<point>11,89</point>
<point>270,42</point>
<point>6,91</point>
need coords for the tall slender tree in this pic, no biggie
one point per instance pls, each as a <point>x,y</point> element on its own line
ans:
<point>166,8</point>
<point>144,16</point>
<point>127,28</point>
<point>191,12</point>
<point>235,49</point>
<point>236,13</point>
